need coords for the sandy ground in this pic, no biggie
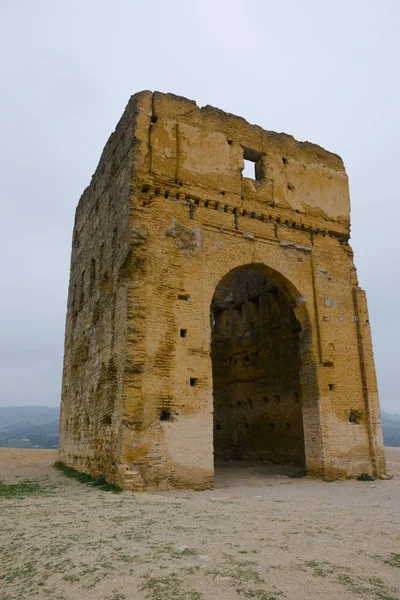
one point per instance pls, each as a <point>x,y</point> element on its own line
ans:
<point>258,535</point>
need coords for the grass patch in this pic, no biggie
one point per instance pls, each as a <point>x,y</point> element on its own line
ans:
<point>320,569</point>
<point>365,477</point>
<point>116,595</point>
<point>393,560</point>
<point>25,574</point>
<point>22,489</point>
<point>373,588</point>
<point>183,551</point>
<point>244,577</point>
<point>87,479</point>
<point>259,595</point>
<point>168,552</point>
<point>71,578</point>
<point>170,586</point>
<point>376,590</point>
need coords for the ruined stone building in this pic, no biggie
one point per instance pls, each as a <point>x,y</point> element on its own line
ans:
<point>214,316</point>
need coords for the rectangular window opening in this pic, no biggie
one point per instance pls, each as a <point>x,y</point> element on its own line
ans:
<point>249,169</point>
<point>193,381</point>
<point>253,167</point>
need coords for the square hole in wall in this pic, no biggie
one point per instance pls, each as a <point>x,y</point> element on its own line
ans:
<point>253,167</point>
<point>183,333</point>
<point>193,381</point>
<point>249,169</point>
<point>165,415</point>
<point>355,416</point>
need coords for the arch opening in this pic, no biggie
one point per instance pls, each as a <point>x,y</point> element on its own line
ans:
<point>256,373</point>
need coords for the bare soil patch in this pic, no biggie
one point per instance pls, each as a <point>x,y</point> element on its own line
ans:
<point>259,534</point>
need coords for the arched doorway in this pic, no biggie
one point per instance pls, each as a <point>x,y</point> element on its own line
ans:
<point>256,372</point>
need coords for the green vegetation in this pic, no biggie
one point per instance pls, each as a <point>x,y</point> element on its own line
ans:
<point>365,477</point>
<point>164,550</point>
<point>320,569</point>
<point>373,587</point>
<point>393,560</point>
<point>243,576</point>
<point>22,489</point>
<point>29,427</point>
<point>19,443</point>
<point>116,595</point>
<point>48,442</point>
<point>170,586</point>
<point>87,479</point>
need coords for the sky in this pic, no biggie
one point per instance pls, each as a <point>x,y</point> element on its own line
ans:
<point>327,72</point>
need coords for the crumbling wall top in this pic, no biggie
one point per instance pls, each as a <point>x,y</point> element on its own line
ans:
<point>174,142</point>
<point>206,149</point>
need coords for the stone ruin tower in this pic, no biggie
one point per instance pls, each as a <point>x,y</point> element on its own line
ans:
<point>213,316</point>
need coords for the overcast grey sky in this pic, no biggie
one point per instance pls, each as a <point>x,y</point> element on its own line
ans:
<point>325,71</point>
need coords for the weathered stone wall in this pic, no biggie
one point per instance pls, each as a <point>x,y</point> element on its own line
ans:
<point>96,337</point>
<point>256,365</point>
<point>168,214</point>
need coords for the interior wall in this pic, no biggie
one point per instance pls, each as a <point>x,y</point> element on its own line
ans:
<point>256,364</point>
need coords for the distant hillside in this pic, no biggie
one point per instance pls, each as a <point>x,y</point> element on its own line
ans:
<point>390,417</point>
<point>36,415</point>
<point>391,429</point>
<point>29,426</point>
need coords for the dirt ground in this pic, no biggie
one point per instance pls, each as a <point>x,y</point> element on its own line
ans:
<point>259,534</point>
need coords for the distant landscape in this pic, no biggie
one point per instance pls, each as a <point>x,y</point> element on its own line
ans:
<point>29,426</point>
<point>37,427</point>
<point>391,429</point>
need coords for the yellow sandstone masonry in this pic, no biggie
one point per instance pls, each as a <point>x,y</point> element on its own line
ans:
<point>212,316</point>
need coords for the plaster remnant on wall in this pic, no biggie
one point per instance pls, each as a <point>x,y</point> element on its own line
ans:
<point>330,302</point>
<point>287,243</point>
<point>248,236</point>
<point>188,239</point>
<point>325,273</point>
<point>139,236</point>
<point>300,300</point>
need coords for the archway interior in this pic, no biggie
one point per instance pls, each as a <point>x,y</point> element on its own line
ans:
<point>256,364</point>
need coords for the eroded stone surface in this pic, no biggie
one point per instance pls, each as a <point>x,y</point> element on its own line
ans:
<point>167,217</point>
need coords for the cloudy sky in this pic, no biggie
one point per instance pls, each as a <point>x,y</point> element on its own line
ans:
<point>326,71</point>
